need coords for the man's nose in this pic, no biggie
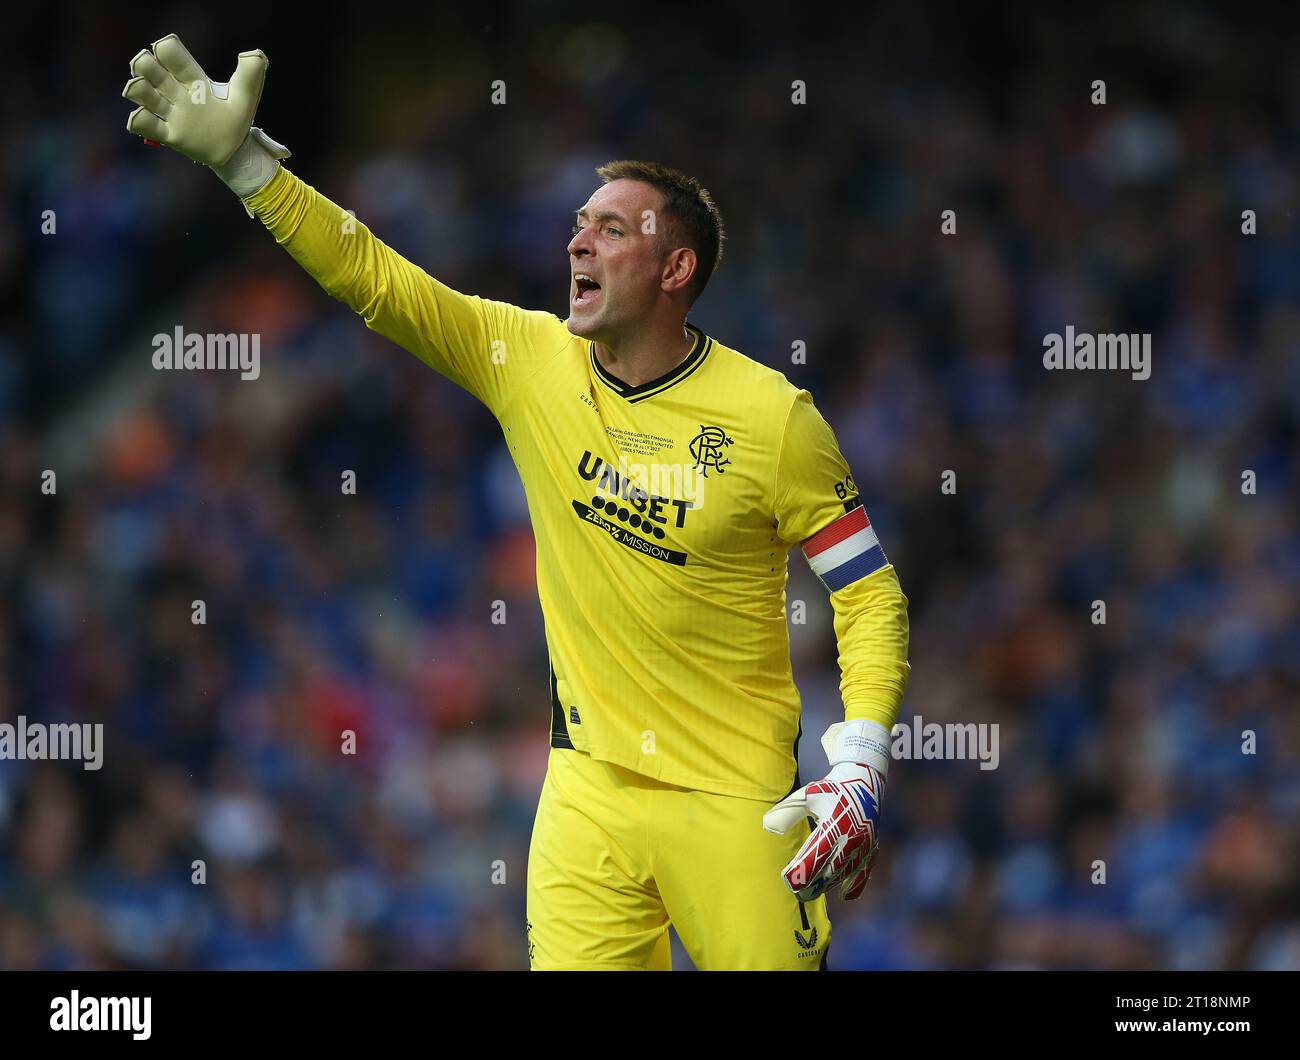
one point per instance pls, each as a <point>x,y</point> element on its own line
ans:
<point>579,243</point>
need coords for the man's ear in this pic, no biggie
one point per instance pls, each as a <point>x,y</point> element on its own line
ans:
<point>679,268</point>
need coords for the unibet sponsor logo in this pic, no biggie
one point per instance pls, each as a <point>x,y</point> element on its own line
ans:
<point>633,516</point>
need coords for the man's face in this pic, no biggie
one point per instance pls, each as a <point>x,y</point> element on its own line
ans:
<point>615,267</point>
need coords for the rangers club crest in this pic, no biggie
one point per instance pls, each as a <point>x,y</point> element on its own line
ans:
<point>706,448</point>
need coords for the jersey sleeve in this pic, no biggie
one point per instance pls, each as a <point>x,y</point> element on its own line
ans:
<point>814,487</point>
<point>488,348</point>
<point>818,508</point>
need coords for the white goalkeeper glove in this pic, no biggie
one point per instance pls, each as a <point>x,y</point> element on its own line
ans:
<point>846,805</point>
<point>207,121</point>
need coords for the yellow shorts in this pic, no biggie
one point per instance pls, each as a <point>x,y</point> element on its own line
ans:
<point>616,857</point>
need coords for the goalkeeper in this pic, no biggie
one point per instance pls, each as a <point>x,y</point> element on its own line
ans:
<point>667,477</point>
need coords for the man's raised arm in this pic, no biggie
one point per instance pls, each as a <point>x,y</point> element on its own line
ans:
<point>489,348</point>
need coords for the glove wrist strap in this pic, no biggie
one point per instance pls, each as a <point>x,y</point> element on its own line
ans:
<point>252,165</point>
<point>859,741</point>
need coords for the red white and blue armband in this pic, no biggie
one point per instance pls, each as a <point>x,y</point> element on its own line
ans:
<point>845,551</point>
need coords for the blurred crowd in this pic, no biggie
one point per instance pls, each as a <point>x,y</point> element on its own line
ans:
<point>229,828</point>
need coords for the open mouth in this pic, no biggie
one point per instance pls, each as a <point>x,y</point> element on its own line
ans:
<point>585,289</point>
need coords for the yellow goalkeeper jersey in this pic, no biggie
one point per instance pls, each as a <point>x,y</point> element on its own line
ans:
<point>663,515</point>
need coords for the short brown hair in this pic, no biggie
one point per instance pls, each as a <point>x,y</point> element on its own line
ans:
<point>694,220</point>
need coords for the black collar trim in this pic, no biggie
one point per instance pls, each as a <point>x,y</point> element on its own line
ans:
<point>699,351</point>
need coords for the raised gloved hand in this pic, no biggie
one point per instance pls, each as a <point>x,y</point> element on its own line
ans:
<point>208,121</point>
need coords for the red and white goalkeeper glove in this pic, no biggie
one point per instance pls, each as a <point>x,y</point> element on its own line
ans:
<point>846,805</point>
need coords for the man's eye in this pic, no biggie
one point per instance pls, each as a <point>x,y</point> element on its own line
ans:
<point>576,229</point>
<point>614,231</point>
